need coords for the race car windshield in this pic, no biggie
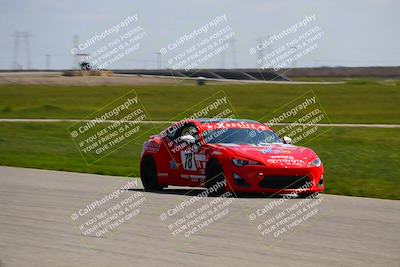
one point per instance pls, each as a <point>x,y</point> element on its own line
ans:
<point>240,136</point>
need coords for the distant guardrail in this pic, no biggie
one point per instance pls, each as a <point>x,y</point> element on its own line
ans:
<point>255,74</point>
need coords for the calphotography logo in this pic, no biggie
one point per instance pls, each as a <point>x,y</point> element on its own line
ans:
<point>103,50</point>
<point>280,218</point>
<point>198,213</point>
<point>214,108</point>
<point>109,212</point>
<point>302,119</point>
<point>196,48</point>
<point>110,128</point>
<point>290,45</point>
<point>199,133</point>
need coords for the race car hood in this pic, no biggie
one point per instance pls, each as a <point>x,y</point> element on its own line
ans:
<point>278,155</point>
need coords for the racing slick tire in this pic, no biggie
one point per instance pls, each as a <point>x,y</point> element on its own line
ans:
<point>214,178</point>
<point>307,195</point>
<point>148,174</point>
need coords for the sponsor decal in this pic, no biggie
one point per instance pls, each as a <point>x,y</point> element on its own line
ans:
<point>270,150</point>
<point>286,160</point>
<point>200,157</point>
<point>200,164</point>
<point>193,177</point>
<point>243,125</point>
<point>266,150</point>
<point>172,165</point>
<point>152,147</point>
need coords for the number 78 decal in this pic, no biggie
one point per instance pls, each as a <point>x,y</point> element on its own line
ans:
<point>188,162</point>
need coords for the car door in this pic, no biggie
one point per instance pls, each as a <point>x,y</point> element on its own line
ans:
<point>187,170</point>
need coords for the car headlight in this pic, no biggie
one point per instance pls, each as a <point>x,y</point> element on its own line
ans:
<point>244,162</point>
<point>315,163</point>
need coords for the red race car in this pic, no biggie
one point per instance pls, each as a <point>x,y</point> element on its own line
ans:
<point>241,155</point>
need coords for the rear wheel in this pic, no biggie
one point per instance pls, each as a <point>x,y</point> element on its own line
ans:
<point>215,179</point>
<point>148,174</point>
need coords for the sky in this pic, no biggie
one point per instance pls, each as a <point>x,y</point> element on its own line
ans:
<point>355,32</point>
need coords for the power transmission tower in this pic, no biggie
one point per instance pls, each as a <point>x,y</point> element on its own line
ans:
<point>16,37</point>
<point>48,61</point>
<point>294,49</point>
<point>75,44</point>
<point>223,59</point>
<point>260,54</point>
<point>233,45</point>
<point>269,48</point>
<point>159,62</point>
<point>26,36</point>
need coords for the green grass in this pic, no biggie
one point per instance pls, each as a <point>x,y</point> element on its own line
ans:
<point>49,146</point>
<point>362,102</point>
<point>343,79</point>
<point>358,161</point>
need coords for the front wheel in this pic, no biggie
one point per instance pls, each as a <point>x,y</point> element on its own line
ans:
<point>307,195</point>
<point>148,174</point>
<point>215,179</point>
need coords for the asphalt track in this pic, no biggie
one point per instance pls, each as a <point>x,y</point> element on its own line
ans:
<point>36,228</point>
<point>56,78</point>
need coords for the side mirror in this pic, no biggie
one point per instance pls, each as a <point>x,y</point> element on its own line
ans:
<point>188,139</point>
<point>287,140</point>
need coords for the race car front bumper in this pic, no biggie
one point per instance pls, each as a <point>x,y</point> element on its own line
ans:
<point>263,179</point>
